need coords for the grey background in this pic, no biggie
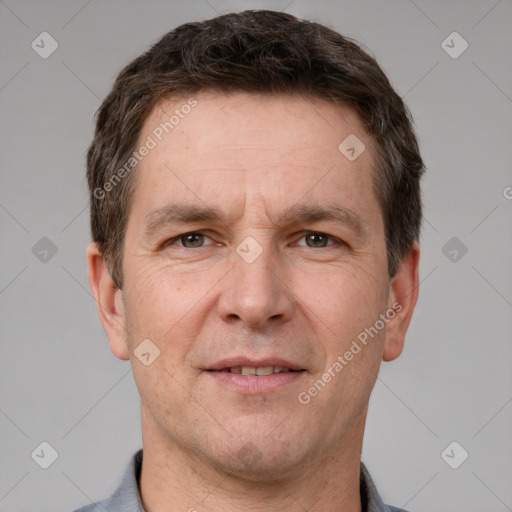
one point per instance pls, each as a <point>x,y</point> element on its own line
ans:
<point>59,381</point>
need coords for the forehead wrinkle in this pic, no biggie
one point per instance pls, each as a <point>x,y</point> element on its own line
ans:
<point>244,146</point>
<point>183,213</point>
<point>310,213</point>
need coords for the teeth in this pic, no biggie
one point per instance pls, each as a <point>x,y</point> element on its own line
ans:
<point>262,370</point>
<point>265,370</point>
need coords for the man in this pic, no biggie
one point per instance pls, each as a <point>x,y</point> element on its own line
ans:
<point>255,214</point>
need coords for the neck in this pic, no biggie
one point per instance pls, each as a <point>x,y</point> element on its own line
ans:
<point>175,479</point>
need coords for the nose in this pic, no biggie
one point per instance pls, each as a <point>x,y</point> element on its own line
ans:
<point>257,292</point>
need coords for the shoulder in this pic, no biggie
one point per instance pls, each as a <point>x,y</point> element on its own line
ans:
<point>94,507</point>
<point>370,497</point>
<point>127,496</point>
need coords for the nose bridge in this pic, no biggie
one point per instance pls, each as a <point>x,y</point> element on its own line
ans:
<point>255,292</point>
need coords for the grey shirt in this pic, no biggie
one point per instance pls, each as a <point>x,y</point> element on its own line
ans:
<point>126,497</point>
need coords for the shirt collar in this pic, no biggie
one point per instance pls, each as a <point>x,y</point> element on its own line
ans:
<point>127,495</point>
<point>370,497</point>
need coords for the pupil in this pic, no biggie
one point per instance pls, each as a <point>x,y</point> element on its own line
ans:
<point>190,238</point>
<point>316,236</point>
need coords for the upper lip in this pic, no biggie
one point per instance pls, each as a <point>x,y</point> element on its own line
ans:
<point>254,363</point>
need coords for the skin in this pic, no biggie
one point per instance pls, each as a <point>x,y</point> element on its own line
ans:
<point>302,299</point>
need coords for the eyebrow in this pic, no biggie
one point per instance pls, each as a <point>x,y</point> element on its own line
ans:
<point>177,214</point>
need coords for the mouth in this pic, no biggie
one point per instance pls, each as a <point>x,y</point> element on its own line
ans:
<point>258,370</point>
<point>243,365</point>
<point>255,377</point>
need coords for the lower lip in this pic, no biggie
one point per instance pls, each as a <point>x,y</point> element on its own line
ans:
<point>256,385</point>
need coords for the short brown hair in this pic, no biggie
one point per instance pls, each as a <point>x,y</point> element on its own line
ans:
<point>255,51</point>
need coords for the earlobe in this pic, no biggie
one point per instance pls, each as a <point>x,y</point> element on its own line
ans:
<point>402,299</point>
<point>108,301</point>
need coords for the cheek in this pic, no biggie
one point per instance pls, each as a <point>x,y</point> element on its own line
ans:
<point>344,313</point>
<point>167,307</point>
<point>347,301</point>
<point>156,292</point>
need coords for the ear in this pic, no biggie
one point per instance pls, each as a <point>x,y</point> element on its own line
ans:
<point>109,301</point>
<point>403,296</point>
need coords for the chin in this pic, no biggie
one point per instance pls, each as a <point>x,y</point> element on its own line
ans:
<point>255,466</point>
<point>258,458</point>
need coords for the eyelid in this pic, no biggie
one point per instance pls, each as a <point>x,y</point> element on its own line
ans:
<point>302,234</point>
<point>310,232</point>
<point>177,238</point>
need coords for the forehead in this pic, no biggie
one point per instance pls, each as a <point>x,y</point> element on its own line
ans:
<point>210,120</point>
<point>216,146</point>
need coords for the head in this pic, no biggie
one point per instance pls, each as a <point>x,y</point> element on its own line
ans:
<point>232,131</point>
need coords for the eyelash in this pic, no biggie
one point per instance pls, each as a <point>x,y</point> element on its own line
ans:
<point>304,234</point>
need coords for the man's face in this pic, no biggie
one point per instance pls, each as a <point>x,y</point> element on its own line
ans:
<point>256,287</point>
